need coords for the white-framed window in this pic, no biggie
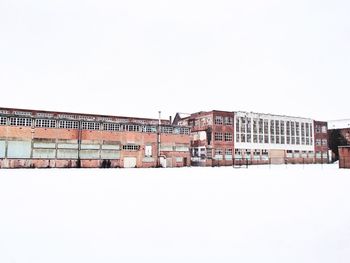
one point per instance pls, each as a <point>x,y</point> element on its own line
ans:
<point>14,121</point>
<point>218,120</point>
<point>167,129</point>
<point>324,142</point>
<point>318,142</point>
<point>218,136</point>
<point>218,154</point>
<point>3,121</point>
<point>228,137</point>
<point>324,129</point>
<point>228,120</point>
<point>148,151</point>
<point>131,147</point>
<point>45,123</point>
<point>149,129</point>
<point>90,126</point>
<point>68,124</point>
<point>184,130</point>
<point>111,126</point>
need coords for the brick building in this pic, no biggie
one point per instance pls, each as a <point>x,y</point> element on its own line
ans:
<point>226,138</point>
<point>339,135</point>
<point>31,138</point>
<point>211,137</point>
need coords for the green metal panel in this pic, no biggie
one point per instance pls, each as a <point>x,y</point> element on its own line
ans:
<point>109,154</point>
<point>2,149</point>
<point>90,146</point>
<point>89,154</point>
<point>44,153</point>
<point>67,154</point>
<point>44,145</point>
<point>19,149</point>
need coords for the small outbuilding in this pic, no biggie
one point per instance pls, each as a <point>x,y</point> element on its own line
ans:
<point>344,156</point>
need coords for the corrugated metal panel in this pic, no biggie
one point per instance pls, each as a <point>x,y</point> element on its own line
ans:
<point>2,149</point>
<point>19,149</point>
<point>89,154</point>
<point>67,154</point>
<point>110,154</point>
<point>67,146</point>
<point>111,147</point>
<point>44,153</point>
<point>90,146</point>
<point>44,145</point>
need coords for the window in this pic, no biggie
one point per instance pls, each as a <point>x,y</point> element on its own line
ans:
<point>282,127</point>
<point>237,125</point>
<point>324,142</point>
<point>218,120</point>
<point>167,129</point>
<point>68,124</point>
<point>266,126</point>
<point>249,125</point>
<point>218,153</point>
<point>228,121</point>
<point>288,128</point>
<point>132,128</point>
<point>297,129</point>
<point>238,137</point>
<point>261,126</point>
<point>45,123</point>
<point>255,138</point>
<point>255,125</point>
<point>266,139</point>
<point>272,127</point>
<point>228,151</point>
<point>3,120</point>
<point>298,140</point>
<point>228,137</point>
<point>242,137</point>
<point>111,126</point>
<point>282,139</point>
<point>148,151</point>
<point>318,142</point>
<point>91,126</point>
<point>131,147</point>
<point>243,124</point>
<point>184,130</point>
<point>14,121</point>
<point>261,138</point>
<point>249,137</point>
<point>324,129</point>
<point>218,136</point>
<point>277,124</point>
<point>149,129</point>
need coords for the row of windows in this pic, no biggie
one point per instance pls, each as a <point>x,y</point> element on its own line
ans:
<point>276,139</point>
<point>320,129</point>
<point>67,124</point>
<point>219,120</point>
<point>320,142</point>
<point>219,136</point>
<point>277,127</point>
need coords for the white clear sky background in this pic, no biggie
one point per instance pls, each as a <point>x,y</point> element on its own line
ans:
<point>136,57</point>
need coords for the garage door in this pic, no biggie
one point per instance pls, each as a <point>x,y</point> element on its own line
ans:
<point>129,162</point>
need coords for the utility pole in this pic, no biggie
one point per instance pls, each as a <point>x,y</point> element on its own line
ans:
<point>158,138</point>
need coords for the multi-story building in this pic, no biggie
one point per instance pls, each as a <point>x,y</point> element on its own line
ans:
<point>339,135</point>
<point>211,137</point>
<point>321,142</point>
<point>31,138</point>
<point>226,138</point>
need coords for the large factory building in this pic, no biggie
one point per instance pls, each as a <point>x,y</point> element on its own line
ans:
<point>228,138</point>
<point>31,138</point>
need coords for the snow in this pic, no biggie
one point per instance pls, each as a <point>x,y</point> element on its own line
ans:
<point>280,213</point>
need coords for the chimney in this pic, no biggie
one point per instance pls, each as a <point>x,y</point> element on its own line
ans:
<point>171,120</point>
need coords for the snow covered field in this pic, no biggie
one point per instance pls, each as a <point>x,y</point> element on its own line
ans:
<point>271,214</point>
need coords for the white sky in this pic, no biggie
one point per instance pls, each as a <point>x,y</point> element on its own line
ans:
<point>137,57</point>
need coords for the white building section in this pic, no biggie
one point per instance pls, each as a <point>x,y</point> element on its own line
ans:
<point>273,132</point>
